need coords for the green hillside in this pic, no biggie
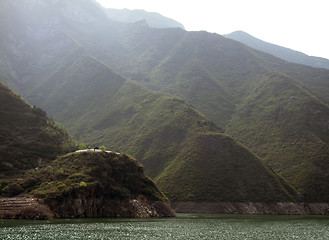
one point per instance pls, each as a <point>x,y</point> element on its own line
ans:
<point>288,127</point>
<point>214,74</point>
<point>28,138</point>
<point>158,129</point>
<point>213,167</point>
<point>76,66</point>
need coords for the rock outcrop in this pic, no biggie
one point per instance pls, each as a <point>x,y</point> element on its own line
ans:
<point>84,205</point>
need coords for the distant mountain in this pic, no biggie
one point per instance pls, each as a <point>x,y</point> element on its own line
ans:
<point>153,19</point>
<point>28,138</point>
<point>278,51</point>
<point>163,95</point>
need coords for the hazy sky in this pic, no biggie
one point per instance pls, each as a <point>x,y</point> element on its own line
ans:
<point>301,25</point>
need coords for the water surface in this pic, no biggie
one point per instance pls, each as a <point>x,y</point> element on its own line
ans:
<point>184,226</point>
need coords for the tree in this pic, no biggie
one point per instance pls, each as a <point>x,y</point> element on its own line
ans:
<point>103,148</point>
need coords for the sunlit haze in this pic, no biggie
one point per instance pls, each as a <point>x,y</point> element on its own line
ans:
<point>300,25</point>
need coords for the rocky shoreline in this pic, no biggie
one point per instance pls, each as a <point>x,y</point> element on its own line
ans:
<point>34,208</point>
<point>84,206</point>
<point>285,208</point>
<point>24,208</point>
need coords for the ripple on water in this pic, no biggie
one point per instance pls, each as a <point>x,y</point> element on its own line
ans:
<point>182,227</point>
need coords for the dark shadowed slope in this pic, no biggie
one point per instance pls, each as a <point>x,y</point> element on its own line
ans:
<point>92,184</point>
<point>27,136</point>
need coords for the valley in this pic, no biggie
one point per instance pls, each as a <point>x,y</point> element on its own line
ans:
<point>210,119</point>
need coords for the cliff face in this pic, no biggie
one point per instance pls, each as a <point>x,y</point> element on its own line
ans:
<point>90,204</point>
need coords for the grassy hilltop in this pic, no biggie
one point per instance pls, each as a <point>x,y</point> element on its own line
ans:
<point>108,174</point>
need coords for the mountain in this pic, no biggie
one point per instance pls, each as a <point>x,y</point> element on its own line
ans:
<point>93,184</point>
<point>154,20</point>
<point>215,168</point>
<point>159,130</point>
<point>287,127</point>
<point>278,51</point>
<point>28,138</point>
<point>163,96</point>
<point>101,107</point>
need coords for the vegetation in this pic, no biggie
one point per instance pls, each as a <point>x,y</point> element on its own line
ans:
<point>287,129</point>
<point>108,175</point>
<point>213,167</point>
<point>28,138</point>
<point>78,73</point>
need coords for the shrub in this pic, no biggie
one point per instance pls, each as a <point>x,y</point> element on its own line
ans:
<point>83,184</point>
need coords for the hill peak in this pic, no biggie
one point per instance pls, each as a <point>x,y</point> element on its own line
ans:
<point>152,19</point>
<point>278,51</point>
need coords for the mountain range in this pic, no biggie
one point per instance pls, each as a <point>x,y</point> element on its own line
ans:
<point>174,99</point>
<point>152,19</point>
<point>278,51</point>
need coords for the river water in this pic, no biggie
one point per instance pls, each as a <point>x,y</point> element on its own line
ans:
<point>184,226</point>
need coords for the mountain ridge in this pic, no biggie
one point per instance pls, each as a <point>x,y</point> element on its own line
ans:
<point>153,19</point>
<point>111,82</point>
<point>279,51</point>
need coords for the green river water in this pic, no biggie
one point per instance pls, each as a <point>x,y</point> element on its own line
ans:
<point>184,226</point>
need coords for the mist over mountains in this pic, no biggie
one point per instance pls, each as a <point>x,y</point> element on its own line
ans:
<point>154,20</point>
<point>210,118</point>
<point>278,51</point>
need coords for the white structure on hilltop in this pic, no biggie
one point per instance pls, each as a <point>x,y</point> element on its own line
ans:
<point>95,150</point>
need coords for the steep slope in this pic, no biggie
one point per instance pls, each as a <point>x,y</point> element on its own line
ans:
<point>103,108</point>
<point>278,51</point>
<point>214,168</point>
<point>153,19</point>
<point>288,127</point>
<point>39,34</point>
<point>27,136</point>
<point>208,71</point>
<point>93,184</point>
<point>232,69</point>
<point>213,73</point>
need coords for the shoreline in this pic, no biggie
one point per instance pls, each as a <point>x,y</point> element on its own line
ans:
<point>261,208</point>
<point>81,207</point>
<point>33,208</point>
